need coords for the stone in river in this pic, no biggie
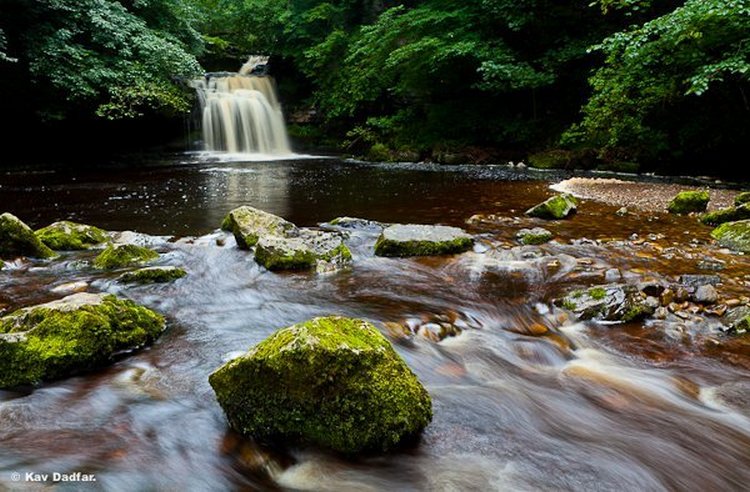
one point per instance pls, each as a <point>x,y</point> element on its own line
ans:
<point>731,214</point>
<point>613,302</point>
<point>695,281</point>
<point>534,236</point>
<point>706,294</point>
<point>17,239</point>
<point>71,236</point>
<point>78,333</point>
<point>249,224</point>
<point>555,208</point>
<point>422,240</point>
<point>153,275</point>
<point>332,382</point>
<point>734,235</point>
<point>310,249</point>
<point>123,255</point>
<point>687,202</point>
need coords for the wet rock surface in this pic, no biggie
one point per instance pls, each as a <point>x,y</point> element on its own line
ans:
<point>422,240</point>
<point>71,236</point>
<point>17,239</point>
<point>558,207</point>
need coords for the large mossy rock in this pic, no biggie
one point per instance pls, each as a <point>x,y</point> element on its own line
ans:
<point>731,214</point>
<point>555,208</point>
<point>249,224</point>
<point>17,239</point>
<point>332,382</point>
<point>310,249</point>
<point>123,255</point>
<point>402,240</point>
<point>734,235</point>
<point>75,334</point>
<point>71,236</point>
<point>686,202</point>
<point>153,275</point>
<point>615,302</point>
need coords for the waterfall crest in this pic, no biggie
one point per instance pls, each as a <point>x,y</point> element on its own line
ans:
<point>241,112</point>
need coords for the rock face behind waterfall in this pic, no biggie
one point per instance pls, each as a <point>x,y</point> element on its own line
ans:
<point>75,334</point>
<point>280,245</point>
<point>333,382</point>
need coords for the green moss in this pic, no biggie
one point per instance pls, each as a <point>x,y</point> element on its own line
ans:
<point>17,239</point>
<point>153,275</point>
<point>635,312</point>
<point>379,153</point>
<point>742,198</point>
<point>333,382</point>
<point>732,214</point>
<point>555,208</point>
<point>734,235</point>
<point>123,255</point>
<point>534,236</point>
<point>341,252</point>
<point>226,224</point>
<point>569,304</point>
<point>58,339</point>
<point>597,293</point>
<point>689,201</point>
<point>552,159</point>
<point>282,259</point>
<point>248,224</point>
<point>69,236</point>
<point>385,247</point>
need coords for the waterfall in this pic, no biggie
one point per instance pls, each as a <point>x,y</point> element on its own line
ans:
<point>241,112</point>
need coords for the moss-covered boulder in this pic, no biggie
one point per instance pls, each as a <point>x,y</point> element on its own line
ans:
<point>332,382</point>
<point>17,239</point>
<point>249,224</point>
<point>738,320</point>
<point>534,236</point>
<point>731,214</point>
<point>71,236</point>
<point>614,302</point>
<point>402,240</point>
<point>742,198</point>
<point>555,208</point>
<point>123,255</point>
<point>75,334</point>
<point>686,202</point>
<point>310,249</point>
<point>734,235</point>
<point>153,275</point>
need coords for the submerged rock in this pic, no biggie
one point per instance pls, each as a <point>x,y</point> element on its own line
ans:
<point>75,334</point>
<point>70,236</point>
<point>153,275</point>
<point>555,208</point>
<point>422,240</point>
<point>249,224</point>
<point>123,255</point>
<point>686,202</point>
<point>614,302</point>
<point>308,250</point>
<point>333,382</point>
<point>17,239</point>
<point>537,235</point>
<point>731,214</point>
<point>734,235</point>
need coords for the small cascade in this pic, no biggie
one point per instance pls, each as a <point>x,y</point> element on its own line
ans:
<point>241,111</point>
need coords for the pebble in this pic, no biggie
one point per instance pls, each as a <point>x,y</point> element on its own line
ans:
<point>706,294</point>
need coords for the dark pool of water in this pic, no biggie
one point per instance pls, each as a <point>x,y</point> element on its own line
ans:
<point>583,407</point>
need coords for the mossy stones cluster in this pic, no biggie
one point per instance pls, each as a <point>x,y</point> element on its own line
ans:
<point>71,236</point>
<point>558,207</point>
<point>17,239</point>
<point>332,382</point>
<point>687,202</point>
<point>614,302</point>
<point>402,240</point>
<point>117,256</point>
<point>75,334</point>
<point>280,245</point>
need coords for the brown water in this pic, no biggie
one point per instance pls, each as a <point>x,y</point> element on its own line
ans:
<point>649,406</point>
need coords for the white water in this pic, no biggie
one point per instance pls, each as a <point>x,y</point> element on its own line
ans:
<point>242,114</point>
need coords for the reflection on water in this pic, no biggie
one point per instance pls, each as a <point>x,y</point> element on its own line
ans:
<point>524,398</point>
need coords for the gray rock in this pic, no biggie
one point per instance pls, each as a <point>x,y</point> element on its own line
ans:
<point>537,235</point>
<point>422,240</point>
<point>612,275</point>
<point>711,264</point>
<point>614,302</point>
<point>248,224</point>
<point>695,281</point>
<point>357,224</point>
<point>310,249</point>
<point>706,294</point>
<point>738,320</point>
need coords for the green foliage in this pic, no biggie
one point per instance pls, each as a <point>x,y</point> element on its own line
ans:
<point>665,66</point>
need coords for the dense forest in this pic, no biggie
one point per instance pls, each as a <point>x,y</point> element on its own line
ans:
<point>621,84</point>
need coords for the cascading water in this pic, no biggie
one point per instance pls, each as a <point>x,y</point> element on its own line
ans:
<point>241,112</point>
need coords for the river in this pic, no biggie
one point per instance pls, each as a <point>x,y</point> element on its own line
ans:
<point>572,406</point>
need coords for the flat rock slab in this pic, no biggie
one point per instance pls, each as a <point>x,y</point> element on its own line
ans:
<point>309,249</point>
<point>403,240</point>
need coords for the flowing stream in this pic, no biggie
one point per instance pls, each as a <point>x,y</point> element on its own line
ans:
<point>569,406</point>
